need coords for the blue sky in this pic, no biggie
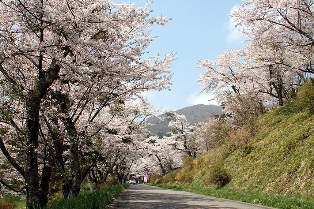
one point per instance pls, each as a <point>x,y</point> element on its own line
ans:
<point>199,29</point>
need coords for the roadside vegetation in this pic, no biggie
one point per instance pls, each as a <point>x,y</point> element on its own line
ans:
<point>86,200</point>
<point>269,161</point>
<point>12,201</point>
<point>97,199</point>
<point>6,203</point>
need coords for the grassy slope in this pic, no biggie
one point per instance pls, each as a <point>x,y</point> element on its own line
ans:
<point>279,159</point>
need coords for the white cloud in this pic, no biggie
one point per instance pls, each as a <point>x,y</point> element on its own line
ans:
<point>234,35</point>
<point>201,98</point>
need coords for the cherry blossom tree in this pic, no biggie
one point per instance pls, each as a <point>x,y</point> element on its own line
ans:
<point>287,23</point>
<point>210,134</point>
<point>64,63</point>
<point>275,60</point>
<point>121,148</point>
<point>181,134</point>
<point>282,34</point>
<point>159,156</point>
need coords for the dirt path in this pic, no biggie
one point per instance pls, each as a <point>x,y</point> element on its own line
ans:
<point>143,196</point>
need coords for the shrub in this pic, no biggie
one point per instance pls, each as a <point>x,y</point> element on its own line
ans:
<point>170,177</point>
<point>218,176</point>
<point>305,97</point>
<point>155,179</point>
<point>185,176</point>
<point>241,137</point>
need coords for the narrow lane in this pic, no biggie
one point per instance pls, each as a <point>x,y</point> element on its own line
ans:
<point>147,197</point>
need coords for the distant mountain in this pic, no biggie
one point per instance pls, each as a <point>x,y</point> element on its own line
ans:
<point>194,114</point>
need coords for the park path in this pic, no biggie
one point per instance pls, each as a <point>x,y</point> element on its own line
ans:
<point>148,197</point>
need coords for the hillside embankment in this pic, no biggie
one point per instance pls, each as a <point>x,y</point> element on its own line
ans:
<point>272,156</point>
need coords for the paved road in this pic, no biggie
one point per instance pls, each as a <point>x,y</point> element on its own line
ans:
<point>147,197</point>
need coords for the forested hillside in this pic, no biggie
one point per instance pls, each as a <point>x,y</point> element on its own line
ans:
<point>194,114</point>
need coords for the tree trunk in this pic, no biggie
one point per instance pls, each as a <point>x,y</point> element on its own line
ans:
<point>66,188</point>
<point>163,170</point>
<point>31,174</point>
<point>44,186</point>
<point>75,168</point>
<point>32,103</point>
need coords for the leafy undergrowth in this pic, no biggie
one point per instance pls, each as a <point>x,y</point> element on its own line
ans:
<point>274,167</point>
<point>6,203</point>
<point>90,200</point>
<point>10,201</point>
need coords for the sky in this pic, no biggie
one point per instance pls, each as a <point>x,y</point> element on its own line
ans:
<point>198,30</point>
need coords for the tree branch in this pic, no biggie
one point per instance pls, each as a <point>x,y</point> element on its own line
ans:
<point>11,159</point>
<point>11,187</point>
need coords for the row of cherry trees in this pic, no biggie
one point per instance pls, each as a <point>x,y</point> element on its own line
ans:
<point>71,78</point>
<point>185,140</point>
<point>277,58</point>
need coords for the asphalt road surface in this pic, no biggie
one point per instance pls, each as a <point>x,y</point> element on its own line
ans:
<point>142,196</point>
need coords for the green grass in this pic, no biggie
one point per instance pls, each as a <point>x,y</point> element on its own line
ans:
<point>19,201</point>
<point>277,201</point>
<point>98,199</point>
